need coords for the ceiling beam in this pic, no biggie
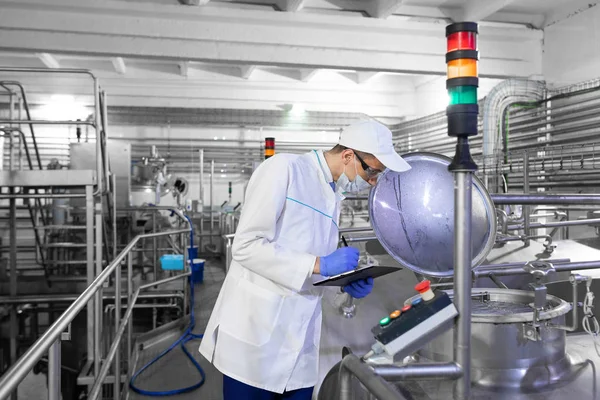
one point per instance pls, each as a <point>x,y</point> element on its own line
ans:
<point>194,2</point>
<point>119,65</point>
<point>253,37</point>
<point>477,10</point>
<point>184,68</point>
<point>383,8</point>
<point>571,9</point>
<point>307,74</point>
<point>246,71</point>
<point>48,60</point>
<point>290,5</point>
<point>364,77</point>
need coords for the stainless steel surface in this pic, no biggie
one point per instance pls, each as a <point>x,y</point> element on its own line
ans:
<point>89,254</point>
<point>98,294</point>
<point>83,157</point>
<point>545,199</point>
<point>54,371</point>
<point>13,284</point>
<point>352,366</point>
<point>46,178</point>
<point>501,357</point>
<point>413,212</point>
<point>419,371</point>
<point>507,271</point>
<point>117,365</point>
<point>463,233</point>
<point>526,208</point>
<point>11,379</point>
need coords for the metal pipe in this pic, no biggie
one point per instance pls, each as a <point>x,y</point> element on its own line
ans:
<point>212,197</point>
<point>574,266</point>
<point>11,379</point>
<point>375,384</point>
<point>354,230</point>
<point>361,239</point>
<point>114,214</point>
<point>13,286</point>
<point>89,243</point>
<point>463,181</point>
<point>117,367</point>
<point>201,153</point>
<point>518,264</point>
<point>98,294</point>
<point>585,221</point>
<point>41,196</point>
<point>69,298</point>
<point>497,281</point>
<point>526,209</point>
<point>129,322</point>
<point>545,199</point>
<point>437,371</point>
<point>54,371</point>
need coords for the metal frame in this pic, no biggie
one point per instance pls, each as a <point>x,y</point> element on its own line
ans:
<point>9,382</point>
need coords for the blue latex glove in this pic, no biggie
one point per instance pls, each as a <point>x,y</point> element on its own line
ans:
<point>342,260</point>
<point>359,289</point>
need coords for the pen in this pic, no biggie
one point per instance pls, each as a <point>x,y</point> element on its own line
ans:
<point>344,241</point>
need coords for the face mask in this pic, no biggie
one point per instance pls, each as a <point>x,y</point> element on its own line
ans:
<point>344,184</point>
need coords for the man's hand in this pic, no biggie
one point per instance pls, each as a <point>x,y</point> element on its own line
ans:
<point>359,289</point>
<point>342,260</point>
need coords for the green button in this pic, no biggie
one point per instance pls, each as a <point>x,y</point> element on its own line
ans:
<point>385,321</point>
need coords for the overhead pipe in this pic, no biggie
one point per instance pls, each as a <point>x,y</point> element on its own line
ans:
<point>504,94</point>
<point>508,271</point>
<point>545,199</point>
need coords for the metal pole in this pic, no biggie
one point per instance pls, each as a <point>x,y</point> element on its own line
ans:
<point>13,284</point>
<point>98,295</point>
<point>129,324</point>
<point>154,248</point>
<point>54,371</point>
<point>565,267</point>
<point>546,199</point>
<point>117,390</point>
<point>526,209</point>
<point>201,152</point>
<point>212,197</point>
<point>89,233</point>
<point>462,278</point>
<point>114,214</point>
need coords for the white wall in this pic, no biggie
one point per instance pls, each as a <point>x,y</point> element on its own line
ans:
<point>572,49</point>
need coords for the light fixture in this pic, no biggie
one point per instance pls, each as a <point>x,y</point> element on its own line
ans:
<point>216,138</point>
<point>297,109</point>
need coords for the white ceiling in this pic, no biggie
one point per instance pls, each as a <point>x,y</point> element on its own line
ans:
<point>366,56</point>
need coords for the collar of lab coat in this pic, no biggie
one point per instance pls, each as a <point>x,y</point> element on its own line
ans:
<point>327,176</point>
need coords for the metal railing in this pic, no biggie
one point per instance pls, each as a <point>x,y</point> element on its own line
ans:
<point>50,341</point>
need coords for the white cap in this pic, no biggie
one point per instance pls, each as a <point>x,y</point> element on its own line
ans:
<point>374,138</point>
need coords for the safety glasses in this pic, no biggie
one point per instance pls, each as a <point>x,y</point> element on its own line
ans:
<point>370,171</point>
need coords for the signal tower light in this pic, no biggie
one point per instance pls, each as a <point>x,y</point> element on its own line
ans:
<point>462,65</point>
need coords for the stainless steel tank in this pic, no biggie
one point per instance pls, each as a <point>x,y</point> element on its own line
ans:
<point>503,354</point>
<point>412,214</point>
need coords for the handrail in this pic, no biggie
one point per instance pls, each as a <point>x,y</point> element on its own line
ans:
<point>13,377</point>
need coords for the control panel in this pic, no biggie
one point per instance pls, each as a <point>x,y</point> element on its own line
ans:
<point>418,319</point>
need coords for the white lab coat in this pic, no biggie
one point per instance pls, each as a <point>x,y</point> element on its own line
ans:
<point>266,325</point>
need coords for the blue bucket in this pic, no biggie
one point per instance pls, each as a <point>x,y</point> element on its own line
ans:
<point>197,270</point>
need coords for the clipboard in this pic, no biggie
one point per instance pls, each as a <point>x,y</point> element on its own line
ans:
<point>373,271</point>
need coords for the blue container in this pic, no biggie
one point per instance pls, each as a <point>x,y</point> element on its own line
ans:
<point>197,270</point>
<point>171,262</point>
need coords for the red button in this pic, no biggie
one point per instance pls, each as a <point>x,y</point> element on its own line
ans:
<point>424,286</point>
<point>406,308</point>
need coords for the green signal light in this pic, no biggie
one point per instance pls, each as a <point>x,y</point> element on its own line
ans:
<point>463,95</point>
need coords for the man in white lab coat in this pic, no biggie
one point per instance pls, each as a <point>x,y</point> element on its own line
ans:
<point>264,332</point>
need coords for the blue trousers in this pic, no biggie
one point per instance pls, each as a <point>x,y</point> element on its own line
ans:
<point>236,390</point>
